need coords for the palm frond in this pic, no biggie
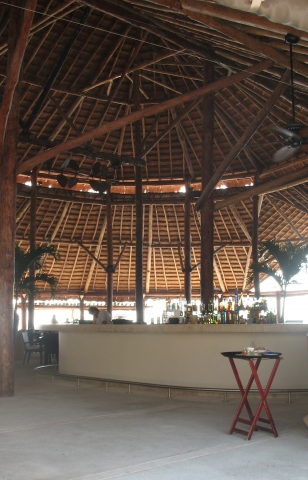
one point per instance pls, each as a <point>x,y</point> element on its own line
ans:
<point>275,258</point>
<point>264,268</point>
<point>24,260</point>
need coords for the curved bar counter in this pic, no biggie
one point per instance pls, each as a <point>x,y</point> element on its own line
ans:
<point>179,355</point>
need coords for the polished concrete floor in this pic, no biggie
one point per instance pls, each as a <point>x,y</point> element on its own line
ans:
<point>58,431</point>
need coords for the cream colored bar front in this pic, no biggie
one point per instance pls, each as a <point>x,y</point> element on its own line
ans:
<point>180,355</point>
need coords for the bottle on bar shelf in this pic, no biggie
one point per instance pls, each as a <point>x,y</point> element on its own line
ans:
<point>229,311</point>
<point>236,300</point>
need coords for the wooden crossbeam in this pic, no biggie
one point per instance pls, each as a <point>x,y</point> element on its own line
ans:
<point>79,242</point>
<point>119,258</point>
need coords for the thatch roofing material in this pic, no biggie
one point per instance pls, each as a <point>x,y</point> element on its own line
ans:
<point>168,42</point>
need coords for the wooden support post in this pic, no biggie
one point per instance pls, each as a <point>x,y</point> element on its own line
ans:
<point>207,209</point>
<point>256,278</point>
<point>32,242</point>
<point>81,306</point>
<point>187,225</point>
<point>110,253</point>
<point>149,261</point>
<point>23,312</point>
<point>139,206</point>
<point>20,23</point>
<point>278,308</point>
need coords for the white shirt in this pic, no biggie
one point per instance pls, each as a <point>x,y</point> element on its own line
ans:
<point>103,317</point>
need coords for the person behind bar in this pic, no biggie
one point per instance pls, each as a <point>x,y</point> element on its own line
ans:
<point>100,316</point>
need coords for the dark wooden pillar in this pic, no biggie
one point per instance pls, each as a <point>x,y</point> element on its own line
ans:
<point>7,242</point>
<point>207,210</point>
<point>187,225</point>
<point>255,237</point>
<point>110,268</point>
<point>20,23</point>
<point>139,206</point>
<point>32,242</point>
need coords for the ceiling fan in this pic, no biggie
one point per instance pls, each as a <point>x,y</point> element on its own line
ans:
<point>293,134</point>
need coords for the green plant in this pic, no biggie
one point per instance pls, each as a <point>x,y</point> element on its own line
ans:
<point>24,282</point>
<point>280,261</point>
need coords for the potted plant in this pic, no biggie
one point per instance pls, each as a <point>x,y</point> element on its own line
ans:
<point>280,261</point>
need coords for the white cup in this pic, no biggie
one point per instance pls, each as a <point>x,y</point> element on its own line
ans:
<point>249,350</point>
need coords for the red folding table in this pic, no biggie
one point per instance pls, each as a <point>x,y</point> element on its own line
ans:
<point>254,362</point>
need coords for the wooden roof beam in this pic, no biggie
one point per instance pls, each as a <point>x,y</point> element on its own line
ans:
<point>172,245</point>
<point>91,254</point>
<point>240,222</point>
<point>287,201</point>
<point>240,144</point>
<point>44,21</point>
<point>140,66</point>
<point>284,216</point>
<point>132,16</point>
<point>52,77</point>
<point>96,253</point>
<point>14,68</point>
<point>146,112</point>
<point>296,178</point>
<point>84,152</point>
<point>223,117</point>
<point>174,123</point>
<point>234,15</point>
<point>249,41</point>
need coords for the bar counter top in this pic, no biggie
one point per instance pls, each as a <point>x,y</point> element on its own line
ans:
<point>180,328</point>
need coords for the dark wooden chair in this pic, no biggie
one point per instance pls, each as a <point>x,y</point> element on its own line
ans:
<point>50,341</point>
<point>31,348</point>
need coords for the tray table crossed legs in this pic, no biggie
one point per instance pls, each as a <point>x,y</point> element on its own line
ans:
<point>253,419</point>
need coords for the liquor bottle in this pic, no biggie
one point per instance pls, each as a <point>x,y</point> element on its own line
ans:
<point>210,305</point>
<point>210,311</point>
<point>241,302</point>
<point>229,306</point>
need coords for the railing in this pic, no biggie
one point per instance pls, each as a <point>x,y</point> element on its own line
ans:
<point>52,370</point>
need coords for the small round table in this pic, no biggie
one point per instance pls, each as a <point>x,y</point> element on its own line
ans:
<point>254,363</point>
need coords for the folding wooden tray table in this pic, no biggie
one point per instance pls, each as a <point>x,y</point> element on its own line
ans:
<point>254,363</point>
